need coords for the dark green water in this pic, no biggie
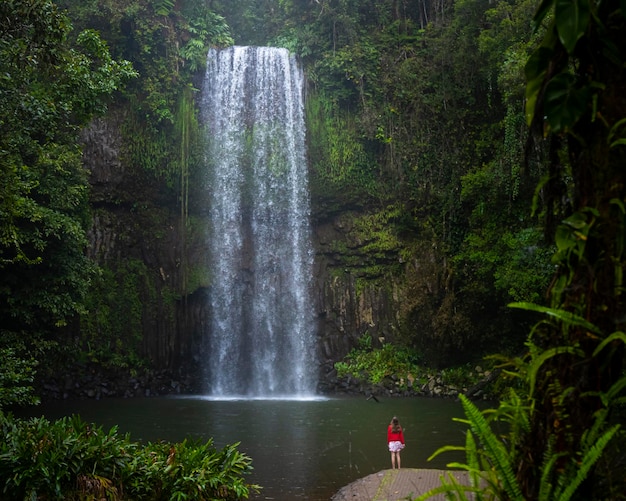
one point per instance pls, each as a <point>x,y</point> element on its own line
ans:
<point>300,449</point>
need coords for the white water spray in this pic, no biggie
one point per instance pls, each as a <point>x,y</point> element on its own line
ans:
<point>262,337</point>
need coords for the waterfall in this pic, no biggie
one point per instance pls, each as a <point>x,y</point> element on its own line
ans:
<point>262,337</point>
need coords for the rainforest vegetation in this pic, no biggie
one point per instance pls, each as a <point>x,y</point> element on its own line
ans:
<point>491,135</point>
<point>416,125</point>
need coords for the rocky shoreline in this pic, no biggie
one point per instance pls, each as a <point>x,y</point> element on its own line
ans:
<point>432,385</point>
<point>93,382</point>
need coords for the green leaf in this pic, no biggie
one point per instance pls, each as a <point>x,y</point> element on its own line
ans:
<point>494,448</point>
<point>446,448</point>
<point>545,486</point>
<point>537,362</point>
<point>572,19</point>
<point>564,316</point>
<point>578,220</point>
<point>541,13</point>
<point>616,132</point>
<point>564,102</point>
<point>563,238</point>
<point>538,63</point>
<point>535,71</point>
<point>613,337</point>
<point>532,94</point>
<point>590,458</point>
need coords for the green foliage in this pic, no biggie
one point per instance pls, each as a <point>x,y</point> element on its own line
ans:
<point>422,111</point>
<point>515,266</point>
<point>374,365</point>
<point>21,356</point>
<point>461,376</point>
<point>376,231</point>
<point>163,7</point>
<point>71,459</point>
<point>206,29</point>
<point>168,42</point>
<point>52,85</point>
<point>112,325</point>
<point>558,425</point>
<point>491,460</point>
<point>563,95</point>
<point>338,158</point>
<point>50,90</point>
<point>17,373</point>
<point>491,465</point>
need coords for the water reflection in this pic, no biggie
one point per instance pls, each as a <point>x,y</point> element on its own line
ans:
<point>306,449</point>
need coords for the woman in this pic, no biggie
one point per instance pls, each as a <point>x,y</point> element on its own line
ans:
<point>395,440</point>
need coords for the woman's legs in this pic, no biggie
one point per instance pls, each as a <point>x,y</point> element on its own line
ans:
<point>395,460</point>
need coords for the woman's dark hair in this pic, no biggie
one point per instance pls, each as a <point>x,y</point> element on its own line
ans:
<point>395,425</point>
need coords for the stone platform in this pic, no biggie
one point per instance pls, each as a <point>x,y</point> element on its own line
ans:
<point>395,485</point>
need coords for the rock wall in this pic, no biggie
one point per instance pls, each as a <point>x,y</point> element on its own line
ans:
<point>363,290</point>
<point>136,227</point>
<point>361,286</point>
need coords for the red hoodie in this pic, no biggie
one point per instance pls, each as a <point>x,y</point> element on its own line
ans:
<point>394,437</point>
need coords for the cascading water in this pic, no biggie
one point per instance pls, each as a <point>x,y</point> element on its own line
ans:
<point>262,337</point>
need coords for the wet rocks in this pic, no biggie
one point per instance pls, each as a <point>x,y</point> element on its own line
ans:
<point>94,382</point>
<point>427,385</point>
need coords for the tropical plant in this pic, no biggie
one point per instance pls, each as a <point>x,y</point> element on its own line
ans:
<point>51,87</point>
<point>71,459</point>
<point>17,373</point>
<point>376,364</point>
<point>492,456</point>
<point>573,372</point>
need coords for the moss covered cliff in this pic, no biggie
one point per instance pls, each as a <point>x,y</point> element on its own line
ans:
<point>420,197</point>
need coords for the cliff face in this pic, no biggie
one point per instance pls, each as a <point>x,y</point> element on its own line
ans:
<point>363,284</point>
<point>136,236</point>
<point>370,284</point>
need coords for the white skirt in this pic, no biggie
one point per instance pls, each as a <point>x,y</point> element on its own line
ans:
<point>395,446</point>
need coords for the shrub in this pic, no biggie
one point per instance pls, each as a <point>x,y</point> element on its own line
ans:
<point>374,365</point>
<point>69,459</point>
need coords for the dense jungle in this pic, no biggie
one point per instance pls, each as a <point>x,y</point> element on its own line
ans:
<point>468,195</point>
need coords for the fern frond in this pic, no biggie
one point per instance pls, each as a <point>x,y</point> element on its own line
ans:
<point>461,420</point>
<point>479,466</point>
<point>451,486</point>
<point>590,458</point>
<point>545,486</point>
<point>471,452</point>
<point>163,7</point>
<point>446,448</point>
<point>545,355</point>
<point>590,435</point>
<point>516,415</point>
<point>495,449</point>
<point>566,317</point>
<point>615,390</point>
<point>608,340</point>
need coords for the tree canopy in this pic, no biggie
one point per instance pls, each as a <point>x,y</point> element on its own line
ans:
<point>52,85</point>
